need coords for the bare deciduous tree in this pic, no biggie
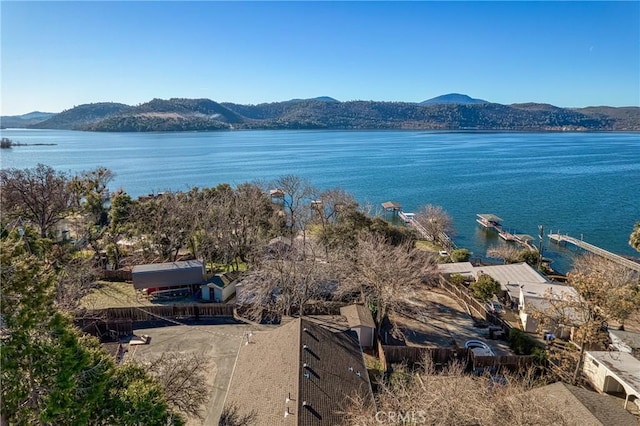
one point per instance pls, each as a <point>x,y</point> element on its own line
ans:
<point>182,376</point>
<point>283,282</point>
<point>75,280</point>
<point>503,251</point>
<point>165,225</point>
<point>296,202</point>
<point>40,195</point>
<point>436,222</point>
<point>607,293</point>
<point>451,397</point>
<point>382,274</point>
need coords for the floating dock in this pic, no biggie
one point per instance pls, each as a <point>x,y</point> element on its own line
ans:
<point>559,238</point>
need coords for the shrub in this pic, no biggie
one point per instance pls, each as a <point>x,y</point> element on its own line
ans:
<point>460,255</point>
<point>485,287</point>
<point>521,343</point>
<point>456,279</point>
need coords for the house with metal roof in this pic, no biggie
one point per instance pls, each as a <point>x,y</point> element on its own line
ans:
<point>525,288</point>
<point>169,274</point>
<point>300,373</point>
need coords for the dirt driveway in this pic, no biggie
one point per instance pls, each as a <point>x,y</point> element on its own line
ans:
<point>430,317</point>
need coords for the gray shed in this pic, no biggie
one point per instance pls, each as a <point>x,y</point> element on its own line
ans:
<point>360,320</point>
<point>171,274</point>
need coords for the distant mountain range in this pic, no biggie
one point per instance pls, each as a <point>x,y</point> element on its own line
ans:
<point>21,121</point>
<point>448,112</point>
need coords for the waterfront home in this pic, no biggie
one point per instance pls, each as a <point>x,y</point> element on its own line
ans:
<point>547,299</point>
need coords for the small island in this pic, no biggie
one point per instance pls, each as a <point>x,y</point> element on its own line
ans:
<point>6,143</point>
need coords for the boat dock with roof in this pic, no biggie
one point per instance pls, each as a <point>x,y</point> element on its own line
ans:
<point>491,221</point>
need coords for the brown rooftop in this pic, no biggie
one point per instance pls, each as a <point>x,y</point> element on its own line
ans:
<point>301,369</point>
<point>584,407</point>
<point>357,315</point>
<point>391,205</point>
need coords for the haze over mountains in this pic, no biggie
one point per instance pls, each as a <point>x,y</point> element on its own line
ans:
<point>448,112</point>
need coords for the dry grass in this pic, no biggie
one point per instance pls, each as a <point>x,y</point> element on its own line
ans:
<point>452,398</point>
<point>113,295</point>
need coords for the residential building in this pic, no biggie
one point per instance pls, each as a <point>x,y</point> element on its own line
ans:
<point>538,298</point>
<point>298,374</point>
<point>614,373</point>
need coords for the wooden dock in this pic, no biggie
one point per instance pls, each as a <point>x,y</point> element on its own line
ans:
<point>409,220</point>
<point>493,222</point>
<point>559,238</point>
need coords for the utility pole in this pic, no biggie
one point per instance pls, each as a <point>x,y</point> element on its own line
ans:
<point>540,244</point>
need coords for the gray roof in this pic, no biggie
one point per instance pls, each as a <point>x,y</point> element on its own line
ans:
<point>168,266</point>
<point>223,280</point>
<point>490,217</point>
<point>513,273</point>
<point>582,407</point>
<point>629,338</point>
<point>357,315</point>
<point>623,365</point>
<point>305,363</point>
<point>456,268</point>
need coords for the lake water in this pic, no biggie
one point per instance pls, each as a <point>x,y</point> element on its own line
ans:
<point>584,184</point>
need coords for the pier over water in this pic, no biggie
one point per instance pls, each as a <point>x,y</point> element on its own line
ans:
<point>559,238</point>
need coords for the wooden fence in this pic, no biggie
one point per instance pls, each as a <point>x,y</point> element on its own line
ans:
<point>477,308</point>
<point>445,356</point>
<point>117,275</point>
<point>463,294</point>
<point>151,313</point>
<point>414,354</point>
<point>105,330</point>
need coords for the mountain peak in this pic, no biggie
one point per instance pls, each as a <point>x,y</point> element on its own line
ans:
<point>453,98</point>
<point>319,98</point>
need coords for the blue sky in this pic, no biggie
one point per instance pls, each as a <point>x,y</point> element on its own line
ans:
<point>59,54</point>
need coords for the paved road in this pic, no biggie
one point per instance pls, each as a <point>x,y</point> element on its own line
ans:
<point>219,343</point>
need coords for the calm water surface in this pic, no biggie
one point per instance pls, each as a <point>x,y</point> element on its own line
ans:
<point>584,184</point>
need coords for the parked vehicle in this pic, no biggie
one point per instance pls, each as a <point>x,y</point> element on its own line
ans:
<point>479,348</point>
<point>495,307</point>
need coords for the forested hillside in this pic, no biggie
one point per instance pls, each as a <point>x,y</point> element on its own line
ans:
<point>442,113</point>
